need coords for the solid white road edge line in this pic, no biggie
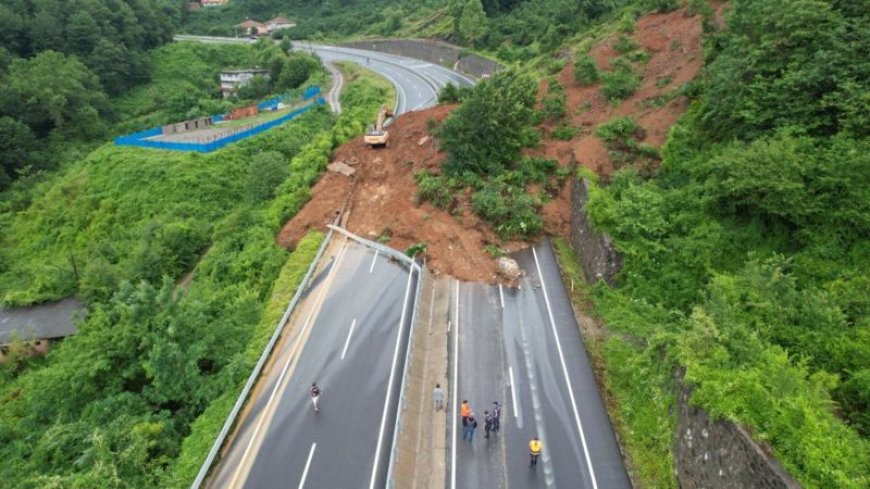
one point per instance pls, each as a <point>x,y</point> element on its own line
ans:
<point>347,341</point>
<point>501,295</point>
<point>245,454</point>
<point>565,372</point>
<point>374,258</point>
<point>390,382</point>
<point>514,392</point>
<point>307,465</point>
<point>455,391</point>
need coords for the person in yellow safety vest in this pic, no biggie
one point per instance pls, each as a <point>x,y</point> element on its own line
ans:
<point>535,447</point>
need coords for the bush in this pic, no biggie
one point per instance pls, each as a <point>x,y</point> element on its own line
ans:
<point>625,44</point>
<point>435,189</point>
<point>512,212</point>
<point>586,71</point>
<point>565,132</point>
<point>619,84</point>
<point>554,100</point>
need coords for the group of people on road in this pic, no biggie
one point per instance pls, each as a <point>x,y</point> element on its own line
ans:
<point>491,420</point>
<point>491,423</point>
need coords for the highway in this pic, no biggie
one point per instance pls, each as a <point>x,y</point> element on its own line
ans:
<point>349,334</point>
<point>522,347</point>
<point>417,82</point>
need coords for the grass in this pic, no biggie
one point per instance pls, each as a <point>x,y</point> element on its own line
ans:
<point>352,71</point>
<point>636,385</point>
<point>205,429</point>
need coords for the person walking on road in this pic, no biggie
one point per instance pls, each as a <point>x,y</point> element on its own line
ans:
<point>468,427</point>
<point>438,397</point>
<point>488,422</point>
<point>465,411</point>
<point>535,448</point>
<point>496,415</point>
<point>314,391</point>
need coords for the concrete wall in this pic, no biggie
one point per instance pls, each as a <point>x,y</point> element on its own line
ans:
<point>719,454</point>
<point>432,51</point>
<point>191,125</point>
<point>598,257</point>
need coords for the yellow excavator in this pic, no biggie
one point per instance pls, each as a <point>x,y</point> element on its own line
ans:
<point>377,135</point>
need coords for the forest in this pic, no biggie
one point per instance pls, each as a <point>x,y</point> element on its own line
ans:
<point>745,249</point>
<point>183,291</point>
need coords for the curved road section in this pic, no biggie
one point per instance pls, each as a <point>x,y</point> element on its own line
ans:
<point>417,82</point>
<point>349,335</point>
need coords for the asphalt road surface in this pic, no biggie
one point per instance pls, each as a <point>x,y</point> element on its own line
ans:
<point>350,334</point>
<point>523,347</point>
<point>417,82</point>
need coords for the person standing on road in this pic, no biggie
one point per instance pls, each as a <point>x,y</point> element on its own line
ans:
<point>535,448</point>
<point>496,415</point>
<point>314,391</point>
<point>438,397</point>
<point>465,411</point>
<point>468,427</point>
<point>488,421</point>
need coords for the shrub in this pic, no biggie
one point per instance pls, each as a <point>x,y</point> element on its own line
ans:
<point>565,132</point>
<point>619,84</point>
<point>435,189</point>
<point>511,211</point>
<point>624,44</point>
<point>586,71</point>
<point>554,100</point>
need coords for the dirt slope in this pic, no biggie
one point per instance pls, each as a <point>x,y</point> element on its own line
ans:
<point>379,201</point>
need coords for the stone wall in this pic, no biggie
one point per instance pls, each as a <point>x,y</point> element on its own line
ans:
<point>719,454</point>
<point>598,257</point>
<point>432,51</point>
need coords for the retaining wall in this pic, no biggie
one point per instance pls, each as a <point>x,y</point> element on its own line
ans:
<point>432,51</point>
<point>719,454</point>
<point>598,257</point>
<point>709,454</point>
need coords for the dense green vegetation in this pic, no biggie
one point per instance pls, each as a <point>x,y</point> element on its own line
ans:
<point>59,61</point>
<point>483,139</point>
<point>175,253</point>
<point>746,257</point>
<point>515,29</point>
<point>185,81</point>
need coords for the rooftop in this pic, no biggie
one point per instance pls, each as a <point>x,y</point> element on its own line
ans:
<point>45,321</point>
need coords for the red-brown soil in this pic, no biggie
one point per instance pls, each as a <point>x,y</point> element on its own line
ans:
<point>379,201</point>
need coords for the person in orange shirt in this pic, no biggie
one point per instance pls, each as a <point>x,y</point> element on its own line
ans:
<point>465,411</point>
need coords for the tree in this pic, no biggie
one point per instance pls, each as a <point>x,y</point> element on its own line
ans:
<point>486,133</point>
<point>57,93</point>
<point>17,145</point>
<point>472,24</point>
<point>82,32</point>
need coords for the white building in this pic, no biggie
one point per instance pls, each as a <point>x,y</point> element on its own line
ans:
<point>231,80</point>
<point>279,23</point>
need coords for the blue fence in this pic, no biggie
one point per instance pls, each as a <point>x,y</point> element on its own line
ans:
<point>310,93</point>
<point>140,138</point>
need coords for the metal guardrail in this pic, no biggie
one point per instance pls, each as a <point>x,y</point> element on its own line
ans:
<point>231,419</point>
<point>398,255</point>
